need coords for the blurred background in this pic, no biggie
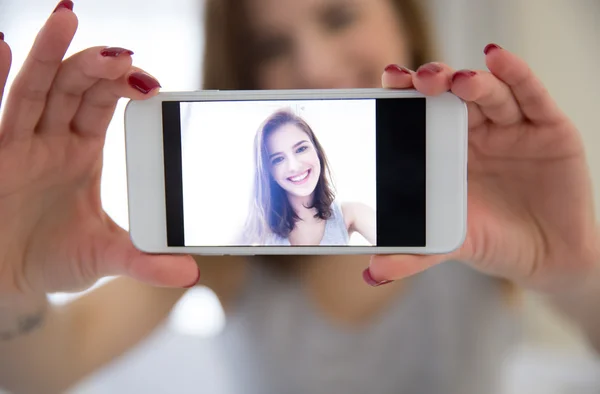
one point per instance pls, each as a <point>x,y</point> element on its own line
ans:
<point>559,39</point>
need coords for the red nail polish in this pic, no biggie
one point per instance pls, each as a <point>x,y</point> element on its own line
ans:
<point>196,281</point>
<point>429,69</point>
<point>372,282</point>
<point>490,47</point>
<point>68,4</point>
<point>115,52</point>
<point>463,74</point>
<point>1,36</point>
<point>143,82</point>
<point>394,68</point>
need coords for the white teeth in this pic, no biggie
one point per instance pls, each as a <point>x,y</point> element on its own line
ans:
<point>300,177</point>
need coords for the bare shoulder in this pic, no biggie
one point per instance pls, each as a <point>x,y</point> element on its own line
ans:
<point>353,206</point>
<point>352,209</point>
<point>349,212</point>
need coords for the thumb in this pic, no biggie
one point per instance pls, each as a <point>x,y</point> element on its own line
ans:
<point>116,255</point>
<point>384,269</point>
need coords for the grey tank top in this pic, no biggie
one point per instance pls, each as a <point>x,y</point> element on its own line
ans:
<point>448,333</point>
<point>335,233</point>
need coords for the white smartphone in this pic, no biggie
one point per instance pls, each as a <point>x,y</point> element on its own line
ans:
<point>360,171</point>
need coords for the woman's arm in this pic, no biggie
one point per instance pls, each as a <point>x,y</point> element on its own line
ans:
<point>48,349</point>
<point>360,217</point>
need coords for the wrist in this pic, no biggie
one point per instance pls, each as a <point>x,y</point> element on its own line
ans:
<point>579,300</point>
<point>581,277</point>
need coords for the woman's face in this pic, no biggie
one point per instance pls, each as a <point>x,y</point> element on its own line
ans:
<point>293,159</point>
<point>325,44</point>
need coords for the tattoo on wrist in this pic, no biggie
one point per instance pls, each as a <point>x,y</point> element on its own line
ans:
<point>24,325</point>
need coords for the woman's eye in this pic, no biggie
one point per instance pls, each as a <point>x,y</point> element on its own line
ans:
<point>338,18</point>
<point>276,160</point>
<point>301,149</point>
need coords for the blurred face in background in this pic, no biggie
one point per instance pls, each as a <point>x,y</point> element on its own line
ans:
<point>325,44</point>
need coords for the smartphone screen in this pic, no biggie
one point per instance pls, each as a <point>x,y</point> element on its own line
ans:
<point>328,172</point>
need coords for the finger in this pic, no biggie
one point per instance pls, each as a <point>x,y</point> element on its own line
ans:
<point>397,77</point>
<point>117,256</point>
<point>384,269</point>
<point>433,79</point>
<point>25,104</point>
<point>534,100</point>
<point>493,97</point>
<point>5,61</point>
<point>98,104</point>
<point>476,117</point>
<point>75,76</point>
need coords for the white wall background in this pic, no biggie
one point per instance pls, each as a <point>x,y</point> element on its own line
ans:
<point>559,38</point>
<point>218,159</point>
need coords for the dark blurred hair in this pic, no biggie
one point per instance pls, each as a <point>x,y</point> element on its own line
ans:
<point>229,61</point>
<point>270,211</point>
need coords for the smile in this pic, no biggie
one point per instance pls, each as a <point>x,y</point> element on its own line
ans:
<point>299,179</point>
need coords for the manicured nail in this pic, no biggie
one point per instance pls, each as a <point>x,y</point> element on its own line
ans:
<point>490,47</point>
<point>115,52</point>
<point>1,36</point>
<point>463,74</point>
<point>372,282</point>
<point>196,281</point>
<point>429,69</point>
<point>394,68</point>
<point>68,4</point>
<point>143,82</point>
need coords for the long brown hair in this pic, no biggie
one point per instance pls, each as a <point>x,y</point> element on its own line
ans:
<point>270,211</point>
<point>229,61</point>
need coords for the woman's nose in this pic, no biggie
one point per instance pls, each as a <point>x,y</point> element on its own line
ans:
<point>294,165</point>
<point>318,65</point>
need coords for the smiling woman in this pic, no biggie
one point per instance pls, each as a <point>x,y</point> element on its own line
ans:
<point>219,149</point>
<point>293,200</point>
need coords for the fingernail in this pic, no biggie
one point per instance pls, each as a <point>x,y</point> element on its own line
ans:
<point>372,282</point>
<point>463,74</point>
<point>196,281</point>
<point>394,68</point>
<point>68,4</point>
<point>143,82</point>
<point>1,36</point>
<point>115,52</point>
<point>429,69</point>
<point>490,47</point>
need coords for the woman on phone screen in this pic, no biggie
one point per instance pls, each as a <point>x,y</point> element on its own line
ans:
<point>293,195</point>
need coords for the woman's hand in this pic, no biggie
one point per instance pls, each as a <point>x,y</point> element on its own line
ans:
<point>530,211</point>
<point>54,234</point>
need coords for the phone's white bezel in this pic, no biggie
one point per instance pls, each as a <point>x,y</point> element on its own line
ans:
<point>446,181</point>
